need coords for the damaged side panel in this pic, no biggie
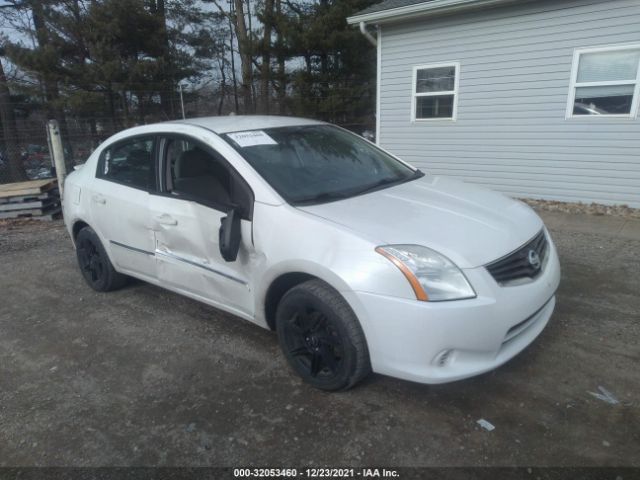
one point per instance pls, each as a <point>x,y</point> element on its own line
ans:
<point>188,257</point>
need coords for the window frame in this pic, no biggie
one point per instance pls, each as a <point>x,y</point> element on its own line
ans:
<point>163,168</point>
<point>574,84</point>
<point>133,138</point>
<point>454,92</point>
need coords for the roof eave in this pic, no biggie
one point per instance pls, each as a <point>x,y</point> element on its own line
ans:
<point>434,7</point>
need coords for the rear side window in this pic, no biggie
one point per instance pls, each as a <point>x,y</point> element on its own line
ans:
<point>130,163</point>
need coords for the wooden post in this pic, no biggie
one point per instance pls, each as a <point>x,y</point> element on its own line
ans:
<point>58,153</point>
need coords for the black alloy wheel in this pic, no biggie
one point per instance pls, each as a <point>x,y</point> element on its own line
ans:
<point>91,263</point>
<point>314,343</point>
<point>94,263</point>
<point>321,337</point>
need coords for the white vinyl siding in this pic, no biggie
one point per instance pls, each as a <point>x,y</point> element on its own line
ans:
<point>511,132</point>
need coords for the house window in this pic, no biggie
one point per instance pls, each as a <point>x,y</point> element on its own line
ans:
<point>435,92</point>
<point>605,82</point>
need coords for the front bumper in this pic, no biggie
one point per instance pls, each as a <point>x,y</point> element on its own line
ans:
<point>438,342</point>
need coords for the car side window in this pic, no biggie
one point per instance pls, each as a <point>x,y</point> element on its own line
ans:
<point>201,174</point>
<point>130,163</point>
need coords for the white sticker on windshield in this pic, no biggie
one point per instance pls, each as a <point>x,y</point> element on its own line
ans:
<point>252,138</point>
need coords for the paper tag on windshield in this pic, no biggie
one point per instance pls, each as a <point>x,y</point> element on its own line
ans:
<point>252,138</point>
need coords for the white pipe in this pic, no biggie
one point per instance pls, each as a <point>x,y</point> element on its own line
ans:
<point>368,36</point>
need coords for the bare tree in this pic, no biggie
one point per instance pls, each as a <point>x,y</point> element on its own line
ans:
<point>244,48</point>
<point>233,65</point>
<point>281,75</point>
<point>166,95</point>
<point>237,20</point>
<point>265,68</point>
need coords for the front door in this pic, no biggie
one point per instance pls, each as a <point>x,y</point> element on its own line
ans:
<point>199,188</point>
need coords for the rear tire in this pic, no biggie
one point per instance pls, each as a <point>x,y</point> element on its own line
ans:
<point>94,263</point>
<point>321,337</point>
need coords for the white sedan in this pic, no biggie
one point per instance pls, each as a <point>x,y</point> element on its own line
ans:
<point>358,260</point>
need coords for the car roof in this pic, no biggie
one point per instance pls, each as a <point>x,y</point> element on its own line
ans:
<point>238,123</point>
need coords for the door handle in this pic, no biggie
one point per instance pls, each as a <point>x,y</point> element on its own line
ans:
<point>165,219</point>
<point>99,199</point>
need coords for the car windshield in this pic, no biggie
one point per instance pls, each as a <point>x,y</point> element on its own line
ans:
<point>319,163</point>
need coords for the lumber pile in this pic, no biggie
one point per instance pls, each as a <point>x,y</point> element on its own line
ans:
<point>37,199</point>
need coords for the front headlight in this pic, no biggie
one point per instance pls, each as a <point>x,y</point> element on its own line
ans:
<point>432,276</point>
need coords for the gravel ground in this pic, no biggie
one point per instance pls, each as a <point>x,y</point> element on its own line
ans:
<point>146,377</point>
<point>587,208</point>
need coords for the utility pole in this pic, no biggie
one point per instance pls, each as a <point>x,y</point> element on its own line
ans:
<point>181,100</point>
<point>58,153</point>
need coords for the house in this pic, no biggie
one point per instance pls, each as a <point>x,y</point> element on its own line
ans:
<point>536,99</point>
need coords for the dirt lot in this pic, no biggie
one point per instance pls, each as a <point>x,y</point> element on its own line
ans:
<point>146,377</point>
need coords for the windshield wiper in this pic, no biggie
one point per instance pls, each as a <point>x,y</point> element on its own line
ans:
<point>331,196</point>
<point>389,181</point>
<point>321,197</point>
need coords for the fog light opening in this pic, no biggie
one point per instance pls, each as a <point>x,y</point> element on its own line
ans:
<point>443,358</point>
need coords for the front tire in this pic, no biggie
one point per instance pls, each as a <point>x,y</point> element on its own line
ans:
<point>94,263</point>
<point>321,337</point>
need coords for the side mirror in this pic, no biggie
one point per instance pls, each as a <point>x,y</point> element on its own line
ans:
<point>229,239</point>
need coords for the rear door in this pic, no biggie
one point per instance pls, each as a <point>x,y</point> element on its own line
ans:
<point>125,176</point>
<point>198,188</point>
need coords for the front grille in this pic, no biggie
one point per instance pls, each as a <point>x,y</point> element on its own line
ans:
<point>526,262</point>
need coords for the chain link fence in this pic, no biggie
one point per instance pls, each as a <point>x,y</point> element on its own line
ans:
<point>26,155</point>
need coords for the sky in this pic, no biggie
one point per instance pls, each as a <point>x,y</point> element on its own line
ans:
<point>6,29</point>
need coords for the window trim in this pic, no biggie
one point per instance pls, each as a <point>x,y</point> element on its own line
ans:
<point>574,84</point>
<point>162,142</point>
<point>454,92</point>
<point>154,161</point>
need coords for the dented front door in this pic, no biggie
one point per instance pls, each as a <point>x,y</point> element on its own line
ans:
<point>188,256</point>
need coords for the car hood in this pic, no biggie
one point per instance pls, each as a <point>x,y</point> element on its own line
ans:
<point>470,225</point>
